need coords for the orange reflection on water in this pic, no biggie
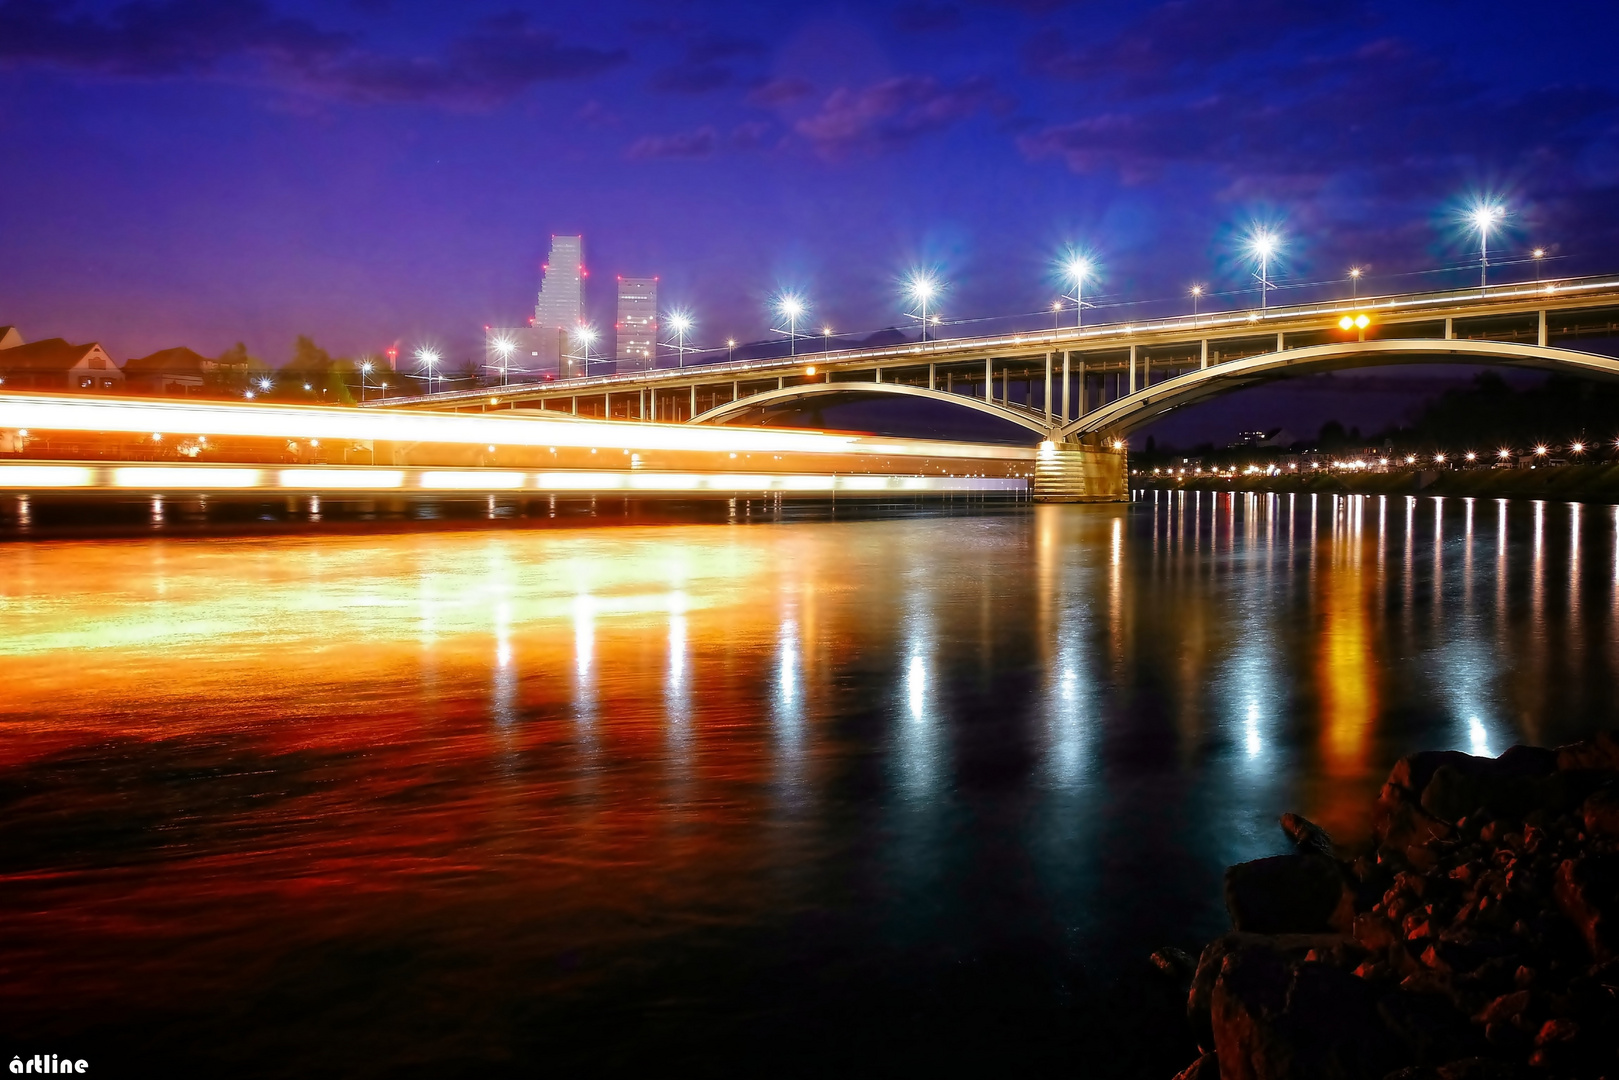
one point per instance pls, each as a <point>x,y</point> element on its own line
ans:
<point>1346,660</point>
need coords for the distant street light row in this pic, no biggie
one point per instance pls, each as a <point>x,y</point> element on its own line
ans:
<point>1261,245</point>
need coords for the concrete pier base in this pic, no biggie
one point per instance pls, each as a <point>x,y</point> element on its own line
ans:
<point>1073,473</point>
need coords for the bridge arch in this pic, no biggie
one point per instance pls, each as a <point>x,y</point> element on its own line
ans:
<point>1124,415</point>
<point>1032,421</point>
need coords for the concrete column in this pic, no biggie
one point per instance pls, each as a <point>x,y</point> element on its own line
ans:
<point>1048,387</point>
<point>1544,335</point>
<point>1450,329</point>
<point>1205,361</point>
<point>653,391</point>
<point>989,379</point>
<point>879,372</point>
<point>931,376</point>
<point>693,400</point>
<point>607,405</point>
<point>1084,395</point>
<point>1065,398</point>
<point>576,406</point>
<point>735,389</point>
<point>1132,369</point>
<point>1006,385</point>
<point>1280,344</point>
<point>781,381</point>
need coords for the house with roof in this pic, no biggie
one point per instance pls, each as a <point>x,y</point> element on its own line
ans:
<point>55,365</point>
<point>175,372</point>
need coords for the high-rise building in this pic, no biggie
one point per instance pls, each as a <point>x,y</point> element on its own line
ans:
<point>636,346</point>
<point>562,289</point>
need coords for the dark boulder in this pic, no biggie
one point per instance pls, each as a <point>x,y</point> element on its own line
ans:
<point>1289,894</point>
<point>1587,890</point>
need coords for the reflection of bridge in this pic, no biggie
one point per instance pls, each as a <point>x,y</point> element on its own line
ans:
<point>1097,383</point>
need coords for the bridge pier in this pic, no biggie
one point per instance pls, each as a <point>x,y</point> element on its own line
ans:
<point>989,379</point>
<point>1069,472</point>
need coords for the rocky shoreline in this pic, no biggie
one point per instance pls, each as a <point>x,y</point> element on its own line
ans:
<point>1476,936</point>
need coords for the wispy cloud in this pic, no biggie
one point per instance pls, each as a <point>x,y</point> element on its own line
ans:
<point>891,112</point>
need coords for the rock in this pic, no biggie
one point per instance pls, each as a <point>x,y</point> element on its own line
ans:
<point>1273,1022</point>
<point>1307,836</point>
<point>1599,754</point>
<point>1206,1067</point>
<point>1600,812</point>
<point>1289,894</point>
<point>1289,948</point>
<point>1560,1030</point>
<point>1475,1068</point>
<point>1587,890</point>
<point>1504,1008</point>
<point>1174,962</point>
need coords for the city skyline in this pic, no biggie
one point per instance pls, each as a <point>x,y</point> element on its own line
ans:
<point>828,153</point>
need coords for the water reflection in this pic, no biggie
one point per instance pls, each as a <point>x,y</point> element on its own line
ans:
<point>841,755</point>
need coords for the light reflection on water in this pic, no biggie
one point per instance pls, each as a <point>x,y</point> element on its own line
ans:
<point>610,765</point>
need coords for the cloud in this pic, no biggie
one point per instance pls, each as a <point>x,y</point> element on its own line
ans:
<point>750,135</point>
<point>778,92</point>
<point>686,144</point>
<point>891,112</point>
<point>711,47</point>
<point>693,78</point>
<point>923,17</point>
<point>498,59</point>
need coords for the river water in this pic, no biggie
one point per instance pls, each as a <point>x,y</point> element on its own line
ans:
<point>799,798</point>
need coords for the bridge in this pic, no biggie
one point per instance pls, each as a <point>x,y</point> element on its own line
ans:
<point>1086,388</point>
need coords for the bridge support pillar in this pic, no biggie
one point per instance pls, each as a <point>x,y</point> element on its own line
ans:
<point>1084,393</point>
<point>1065,355</point>
<point>989,379</point>
<point>735,388</point>
<point>693,401</point>
<point>1205,360</point>
<point>1132,369</point>
<point>932,376</point>
<point>879,375</point>
<point>654,409</point>
<point>1066,472</point>
<point>1048,388</point>
<point>1544,335</point>
<point>1450,329</point>
<point>1281,342</point>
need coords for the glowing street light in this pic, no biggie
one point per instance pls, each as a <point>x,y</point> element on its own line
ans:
<point>1354,282</point>
<point>1578,448</point>
<point>680,322</point>
<point>1078,269</point>
<point>730,348</point>
<point>1540,451</point>
<point>1262,245</point>
<point>1197,294</point>
<point>826,342</point>
<point>584,336</point>
<point>365,369</point>
<point>1537,255</point>
<point>1056,312</point>
<point>1439,459</point>
<point>429,359</point>
<point>922,287</point>
<point>1471,456</point>
<point>505,347</point>
<point>1503,453</point>
<point>1484,216</point>
<point>790,308</point>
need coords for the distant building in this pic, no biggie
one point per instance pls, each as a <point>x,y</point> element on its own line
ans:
<point>519,354</point>
<point>55,365</point>
<point>636,345</point>
<point>174,372</point>
<point>561,304</point>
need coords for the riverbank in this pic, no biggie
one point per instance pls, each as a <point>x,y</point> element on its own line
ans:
<point>1477,936</point>
<point>1566,483</point>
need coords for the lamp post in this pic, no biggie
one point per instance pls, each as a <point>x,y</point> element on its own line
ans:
<point>1354,282</point>
<point>1484,216</point>
<point>585,336</point>
<point>730,349</point>
<point>1197,294</point>
<point>790,307</point>
<point>1262,244</point>
<point>1537,255</point>
<point>826,341</point>
<point>365,369</point>
<point>1079,268</point>
<point>505,349</point>
<point>922,288</point>
<point>680,322</point>
<point>429,359</point>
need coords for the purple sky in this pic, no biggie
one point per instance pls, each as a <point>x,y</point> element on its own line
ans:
<point>383,171</point>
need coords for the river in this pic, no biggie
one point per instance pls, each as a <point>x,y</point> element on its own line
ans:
<point>800,798</point>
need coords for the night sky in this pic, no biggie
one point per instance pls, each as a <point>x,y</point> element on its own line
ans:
<point>384,172</point>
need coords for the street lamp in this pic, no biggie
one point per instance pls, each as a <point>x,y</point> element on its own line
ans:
<point>1354,282</point>
<point>428,358</point>
<point>1078,269</point>
<point>1197,294</point>
<point>1483,217</point>
<point>585,336</point>
<point>826,340</point>
<point>365,369</point>
<point>1262,244</point>
<point>1056,312</point>
<point>505,348</point>
<point>680,322</point>
<point>1537,255</point>
<point>922,287</point>
<point>730,348</point>
<point>791,308</point>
